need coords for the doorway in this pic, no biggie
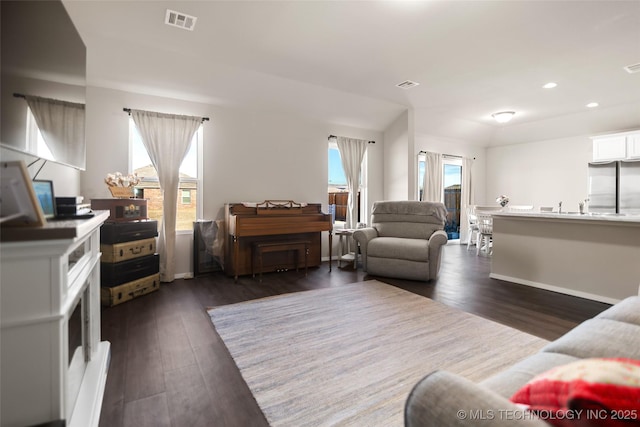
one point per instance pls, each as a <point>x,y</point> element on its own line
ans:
<point>451,193</point>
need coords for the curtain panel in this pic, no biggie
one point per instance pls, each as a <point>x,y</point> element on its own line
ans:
<point>61,124</point>
<point>432,186</point>
<point>167,138</point>
<point>351,154</point>
<point>467,198</point>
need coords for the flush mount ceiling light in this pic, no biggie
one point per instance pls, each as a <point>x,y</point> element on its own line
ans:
<point>633,68</point>
<point>503,116</point>
<point>592,105</point>
<point>550,85</point>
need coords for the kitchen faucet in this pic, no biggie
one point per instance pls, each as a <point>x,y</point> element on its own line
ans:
<point>582,204</point>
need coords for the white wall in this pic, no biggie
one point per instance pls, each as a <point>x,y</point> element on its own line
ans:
<point>540,173</point>
<point>396,153</point>
<point>249,155</point>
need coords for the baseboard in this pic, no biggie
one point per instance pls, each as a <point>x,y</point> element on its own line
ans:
<point>558,289</point>
<point>188,275</point>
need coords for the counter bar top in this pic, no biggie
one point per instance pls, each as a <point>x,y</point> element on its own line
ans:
<point>574,216</point>
<point>588,256</point>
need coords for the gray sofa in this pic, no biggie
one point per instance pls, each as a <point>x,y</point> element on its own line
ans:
<point>437,398</point>
<point>404,241</point>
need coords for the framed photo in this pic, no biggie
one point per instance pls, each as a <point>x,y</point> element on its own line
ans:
<point>19,205</point>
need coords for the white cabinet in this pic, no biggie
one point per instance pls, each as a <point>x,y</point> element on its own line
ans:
<point>52,362</point>
<point>609,148</point>
<point>619,146</point>
<point>633,146</point>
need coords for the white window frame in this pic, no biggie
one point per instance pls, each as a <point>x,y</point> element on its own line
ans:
<point>363,188</point>
<point>199,135</point>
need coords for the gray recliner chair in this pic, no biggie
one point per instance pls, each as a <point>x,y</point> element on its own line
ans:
<point>404,241</point>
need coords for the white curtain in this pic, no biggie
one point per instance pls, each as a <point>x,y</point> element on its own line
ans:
<point>62,126</point>
<point>432,186</point>
<point>351,154</point>
<point>467,198</point>
<point>167,138</point>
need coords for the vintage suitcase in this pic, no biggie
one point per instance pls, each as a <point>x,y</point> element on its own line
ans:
<point>119,252</point>
<point>118,232</point>
<point>122,209</point>
<point>118,294</point>
<point>127,271</point>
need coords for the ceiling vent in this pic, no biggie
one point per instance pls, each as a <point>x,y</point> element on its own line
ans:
<point>407,84</point>
<point>180,20</point>
<point>631,69</point>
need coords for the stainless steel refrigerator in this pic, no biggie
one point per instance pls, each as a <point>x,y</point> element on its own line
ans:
<point>614,187</point>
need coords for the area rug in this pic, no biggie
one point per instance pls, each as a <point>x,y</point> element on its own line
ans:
<point>350,355</point>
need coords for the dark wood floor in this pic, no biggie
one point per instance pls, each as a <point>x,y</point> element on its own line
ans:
<point>169,367</point>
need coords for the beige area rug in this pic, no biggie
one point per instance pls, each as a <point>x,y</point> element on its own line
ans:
<point>350,355</point>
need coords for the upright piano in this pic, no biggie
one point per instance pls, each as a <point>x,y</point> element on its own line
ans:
<point>273,221</point>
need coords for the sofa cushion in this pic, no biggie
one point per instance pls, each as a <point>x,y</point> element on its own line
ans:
<point>627,310</point>
<point>398,248</point>
<point>407,230</point>
<point>507,382</point>
<point>422,211</point>
<point>593,392</point>
<point>599,337</point>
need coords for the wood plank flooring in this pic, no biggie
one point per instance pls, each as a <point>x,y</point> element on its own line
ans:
<point>169,367</point>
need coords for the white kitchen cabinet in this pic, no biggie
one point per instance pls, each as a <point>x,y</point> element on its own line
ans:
<point>609,148</point>
<point>619,146</point>
<point>633,146</point>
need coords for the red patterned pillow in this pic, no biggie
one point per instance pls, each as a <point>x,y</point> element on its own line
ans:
<point>589,392</point>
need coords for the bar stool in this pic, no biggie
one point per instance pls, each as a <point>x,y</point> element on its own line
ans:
<point>485,232</point>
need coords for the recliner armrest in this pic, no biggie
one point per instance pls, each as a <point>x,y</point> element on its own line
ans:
<point>437,240</point>
<point>363,236</point>
<point>445,399</point>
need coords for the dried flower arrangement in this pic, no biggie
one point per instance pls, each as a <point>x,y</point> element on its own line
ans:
<point>120,185</point>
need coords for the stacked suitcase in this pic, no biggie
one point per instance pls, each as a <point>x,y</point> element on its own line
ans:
<point>129,266</point>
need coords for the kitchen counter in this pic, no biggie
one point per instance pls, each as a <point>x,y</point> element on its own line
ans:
<point>574,216</point>
<point>592,256</point>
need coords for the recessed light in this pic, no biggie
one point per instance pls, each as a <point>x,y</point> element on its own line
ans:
<point>592,105</point>
<point>550,85</point>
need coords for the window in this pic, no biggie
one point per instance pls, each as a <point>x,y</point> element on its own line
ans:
<point>186,197</point>
<point>338,191</point>
<point>35,140</point>
<point>149,188</point>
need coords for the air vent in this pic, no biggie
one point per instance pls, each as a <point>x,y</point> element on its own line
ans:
<point>631,69</point>
<point>407,84</point>
<point>180,20</point>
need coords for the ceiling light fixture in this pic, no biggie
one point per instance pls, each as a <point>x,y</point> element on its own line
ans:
<point>592,105</point>
<point>503,116</point>
<point>550,85</point>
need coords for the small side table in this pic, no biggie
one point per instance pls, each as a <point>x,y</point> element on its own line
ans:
<point>344,243</point>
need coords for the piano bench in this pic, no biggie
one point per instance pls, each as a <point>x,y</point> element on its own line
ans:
<point>260,248</point>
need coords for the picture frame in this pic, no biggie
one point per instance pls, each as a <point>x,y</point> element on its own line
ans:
<point>19,206</point>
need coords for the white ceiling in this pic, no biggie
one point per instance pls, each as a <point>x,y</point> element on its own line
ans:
<point>340,61</point>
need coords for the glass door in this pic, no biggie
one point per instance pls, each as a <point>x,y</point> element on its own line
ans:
<point>452,183</point>
<point>452,190</point>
